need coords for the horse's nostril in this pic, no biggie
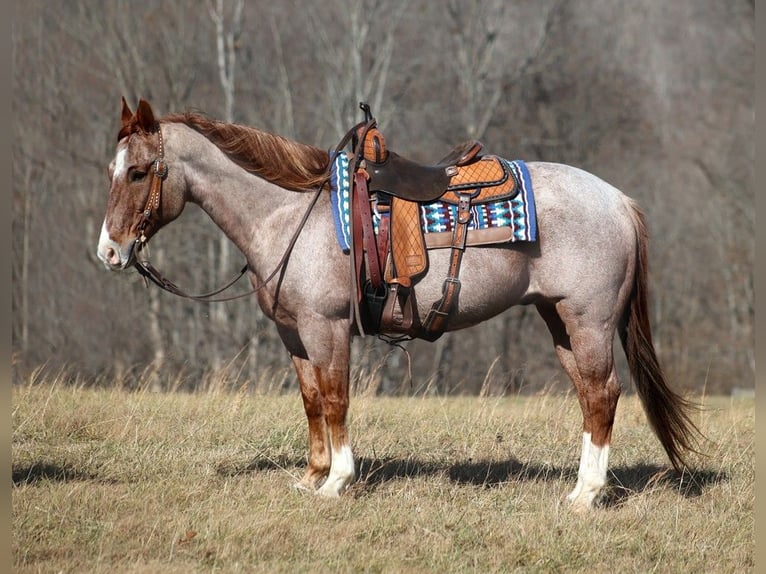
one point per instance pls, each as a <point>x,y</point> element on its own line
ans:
<point>111,256</point>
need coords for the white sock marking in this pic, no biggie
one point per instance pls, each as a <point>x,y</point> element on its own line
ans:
<point>342,472</point>
<point>591,476</point>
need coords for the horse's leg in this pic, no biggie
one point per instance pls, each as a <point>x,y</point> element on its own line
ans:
<point>598,394</point>
<point>320,350</point>
<point>333,383</point>
<point>319,446</point>
<point>585,352</point>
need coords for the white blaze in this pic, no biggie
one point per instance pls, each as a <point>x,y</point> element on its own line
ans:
<point>107,248</point>
<point>120,163</point>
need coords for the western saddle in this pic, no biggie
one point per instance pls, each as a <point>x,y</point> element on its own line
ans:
<point>388,264</point>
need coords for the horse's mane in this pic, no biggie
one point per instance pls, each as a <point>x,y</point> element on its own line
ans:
<point>284,162</point>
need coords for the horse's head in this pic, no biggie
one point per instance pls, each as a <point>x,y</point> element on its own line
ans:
<point>144,194</point>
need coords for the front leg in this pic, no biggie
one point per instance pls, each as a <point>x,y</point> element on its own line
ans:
<point>333,383</point>
<point>321,361</point>
<point>319,445</point>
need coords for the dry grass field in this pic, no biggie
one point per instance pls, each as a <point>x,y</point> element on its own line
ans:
<point>108,480</point>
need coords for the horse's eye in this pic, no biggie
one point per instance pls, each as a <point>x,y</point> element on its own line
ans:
<point>136,175</point>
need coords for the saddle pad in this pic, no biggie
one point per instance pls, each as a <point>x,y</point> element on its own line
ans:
<point>516,213</point>
<point>340,198</point>
<point>437,218</point>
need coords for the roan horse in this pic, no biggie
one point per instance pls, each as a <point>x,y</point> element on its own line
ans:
<point>586,275</point>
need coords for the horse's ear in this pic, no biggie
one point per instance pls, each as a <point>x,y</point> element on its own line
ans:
<point>127,113</point>
<point>145,116</point>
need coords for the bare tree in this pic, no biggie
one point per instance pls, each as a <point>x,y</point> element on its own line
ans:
<point>357,63</point>
<point>228,31</point>
<point>481,33</point>
<point>227,17</point>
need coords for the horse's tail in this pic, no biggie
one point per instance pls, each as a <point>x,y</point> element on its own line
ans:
<point>667,411</point>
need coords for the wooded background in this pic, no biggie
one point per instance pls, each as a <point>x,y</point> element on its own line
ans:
<point>655,96</point>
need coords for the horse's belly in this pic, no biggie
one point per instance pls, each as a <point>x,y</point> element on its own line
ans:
<point>492,279</point>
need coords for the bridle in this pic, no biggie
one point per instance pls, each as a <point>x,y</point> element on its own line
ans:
<point>153,202</point>
<point>150,273</point>
<point>152,206</point>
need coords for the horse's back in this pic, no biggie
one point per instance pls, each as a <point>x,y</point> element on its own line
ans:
<point>564,188</point>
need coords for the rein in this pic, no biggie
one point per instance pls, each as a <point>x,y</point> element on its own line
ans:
<point>150,273</point>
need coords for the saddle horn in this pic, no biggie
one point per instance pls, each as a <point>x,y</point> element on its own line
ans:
<point>374,144</point>
<point>365,107</point>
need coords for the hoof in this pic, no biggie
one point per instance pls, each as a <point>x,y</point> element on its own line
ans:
<point>311,481</point>
<point>302,487</point>
<point>580,506</point>
<point>327,492</point>
<point>585,500</point>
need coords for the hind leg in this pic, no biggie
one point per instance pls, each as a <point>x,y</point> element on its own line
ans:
<point>598,393</point>
<point>584,349</point>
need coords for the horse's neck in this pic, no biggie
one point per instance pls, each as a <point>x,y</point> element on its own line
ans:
<point>240,203</point>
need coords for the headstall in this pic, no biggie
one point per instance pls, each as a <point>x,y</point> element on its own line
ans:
<point>160,172</point>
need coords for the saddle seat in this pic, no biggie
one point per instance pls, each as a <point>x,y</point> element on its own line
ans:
<point>406,179</point>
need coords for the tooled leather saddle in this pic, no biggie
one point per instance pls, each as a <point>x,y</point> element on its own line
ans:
<point>390,260</point>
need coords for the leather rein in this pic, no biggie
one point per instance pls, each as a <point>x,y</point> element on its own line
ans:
<point>150,273</point>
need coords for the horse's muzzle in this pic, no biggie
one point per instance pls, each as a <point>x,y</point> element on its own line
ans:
<point>112,254</point>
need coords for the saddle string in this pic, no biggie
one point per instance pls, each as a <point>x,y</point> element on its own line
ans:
<point>397,342</point>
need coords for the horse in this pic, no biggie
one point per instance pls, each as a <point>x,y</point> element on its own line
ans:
<point>586,274</point>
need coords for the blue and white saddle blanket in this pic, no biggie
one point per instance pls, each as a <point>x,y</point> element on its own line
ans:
<point>518,213</point>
